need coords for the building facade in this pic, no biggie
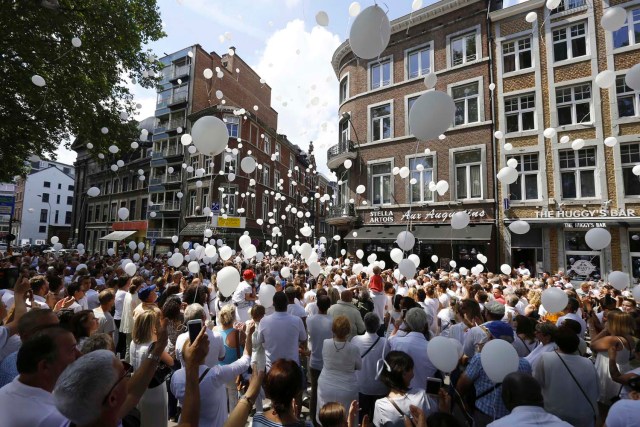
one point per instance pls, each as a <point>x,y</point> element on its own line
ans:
<point>572,181</point>
<point>44,203</point>
<point>449,38</point>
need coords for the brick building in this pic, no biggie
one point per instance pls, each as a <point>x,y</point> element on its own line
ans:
<point>547,81</point>
<point>187,188</point>
<point>449,38</point>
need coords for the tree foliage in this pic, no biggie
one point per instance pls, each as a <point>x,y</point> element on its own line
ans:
<point>86,87</point>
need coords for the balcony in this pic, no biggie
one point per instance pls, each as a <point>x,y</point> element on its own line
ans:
<point>181,71</point>
<point>340,152</point>
<point>177,98</point>
<point>342,214</point>
<point>166,206</point>
<point>176,123</point>
<point>161,233</point>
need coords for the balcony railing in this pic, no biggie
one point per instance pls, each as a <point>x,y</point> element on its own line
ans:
<point>167,206</point>
<point>342,147</point>
<point>178,97</point>
<point>180,71</point>
<point>163,232</point>
<point>569,5</point>
<point>176,123</point>
<point>175,177</point>
<point>155,181</point>
<point>342,211</point>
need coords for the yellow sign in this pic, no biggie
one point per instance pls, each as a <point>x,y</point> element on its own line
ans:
<point>231,222</point>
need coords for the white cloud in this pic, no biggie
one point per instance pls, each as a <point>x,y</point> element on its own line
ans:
<point>296,63</point>
<point>220,14</point>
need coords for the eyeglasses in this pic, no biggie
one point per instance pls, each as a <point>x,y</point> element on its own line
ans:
<point>128,370</point>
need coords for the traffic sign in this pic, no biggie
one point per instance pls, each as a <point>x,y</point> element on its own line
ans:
<point>215,207</point>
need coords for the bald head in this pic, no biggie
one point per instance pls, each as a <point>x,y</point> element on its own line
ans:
<point>520,389</point>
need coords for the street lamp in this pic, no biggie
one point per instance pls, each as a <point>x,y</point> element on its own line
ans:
<point>49,216</point>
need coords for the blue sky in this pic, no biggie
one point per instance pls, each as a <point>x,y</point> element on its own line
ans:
<point>281,40</point>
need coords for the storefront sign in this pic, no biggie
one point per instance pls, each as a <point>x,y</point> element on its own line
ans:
<point>377,217</point>
<point>583,267</point>
<point>587,213</point>
<point>440,215</point>
<point>229,222</point>
<point>585,224</point>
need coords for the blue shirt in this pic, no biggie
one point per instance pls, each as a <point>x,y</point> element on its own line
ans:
<point>491,404</point>
<point>8,369</point>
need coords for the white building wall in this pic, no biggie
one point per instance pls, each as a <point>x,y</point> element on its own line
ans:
<point>60,184</point>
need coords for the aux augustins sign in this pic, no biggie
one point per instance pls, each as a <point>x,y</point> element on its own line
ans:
<point>433,215</point>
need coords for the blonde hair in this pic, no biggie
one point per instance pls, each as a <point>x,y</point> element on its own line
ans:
<point>620,323</point>
<point>227,315</point>
<point>144,327</point>
<point>341,326</point>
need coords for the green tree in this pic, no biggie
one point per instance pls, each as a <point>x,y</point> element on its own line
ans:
<point>85,88</point>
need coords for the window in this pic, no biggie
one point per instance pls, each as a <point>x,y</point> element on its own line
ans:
<point>568,5</point>
<point>344,89</point>
<point>42,229</point>
<point>265,205</point>
<point>132,210</point>
<point>267,144</point>
<point>630,157</point>
<point>292,163</point>
<point>58,199</point>
<point>278,151</point>
<point>276,179</point>
<point>47,184</point>
<point>628,105</point>
<point>422,171</point>
<point>125,184</point>
<point>97,217</point>
<point>56,217</point>
<point>229,163</point>
<point>192,203</point>
<point>60,186</point>
<point>578,173</point>
<point>629,33</point>
<point>205,199</point>
<point>228,197</point>
<point>526,186</point>
<point>90,214</point>
<point>468,174</point>
<point>164,98</point>
<point>516,55</point>
<point>410,102</point>
<point>463,49</point>
<point>380,74</point>
<point>419,62</point>
<point>233,126</point>
<point>143,208</point>
<point>45,197</point>
<point>520,113</point>
<point>71,188</point>
<point>570,42</point>
<point>252,204</point>
<point>466,98</point>
<point>573,104</point>
<point>381,122</point>
<point>344,131</point>
<point>67,217</point>
<point>44,215</point>
<point>381,183</point>
<point>265,175</point>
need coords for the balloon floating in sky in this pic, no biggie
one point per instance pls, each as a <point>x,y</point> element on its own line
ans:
<point>370,33</point>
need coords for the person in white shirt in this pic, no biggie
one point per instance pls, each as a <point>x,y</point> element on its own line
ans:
<point>338,284</point>
<point>75,291</point>
<point>545,334</point>
<point>294,308</point>
<point>522,396</point>
<point>319,329</point>
<point>522,270</point>
<point>216,344</point>
<point>123,289</point>
<point>244,296</point>
<point>572,307</point>
<point>27,400</point>
<point>40,288</point>
<point>478,334</point>
<point>93,296</point>
<point>281,334</point>
<point>106,324</point>
<point>372,348</point>
<point>626,412</point>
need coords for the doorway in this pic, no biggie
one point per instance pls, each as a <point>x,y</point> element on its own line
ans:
<point>527,256</point>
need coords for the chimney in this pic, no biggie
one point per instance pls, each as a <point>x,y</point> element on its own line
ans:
<point>227,60</point>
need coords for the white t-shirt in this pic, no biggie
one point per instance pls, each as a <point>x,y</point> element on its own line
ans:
<point>243,289</point>
<point>624,413</point>
<point>216,348</point>
<point>319,328</point>
<point>120,295</point>
<point>280,334</point>
<point>386,415</point>
<point>296,310</point>
<point>25,406</point>
<point>526,416</point>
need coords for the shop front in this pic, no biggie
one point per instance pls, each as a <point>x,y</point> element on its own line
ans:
<point>434,235</point>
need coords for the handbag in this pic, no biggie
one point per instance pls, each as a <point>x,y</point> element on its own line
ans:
<point>242,384</point>
<point>162,374</point>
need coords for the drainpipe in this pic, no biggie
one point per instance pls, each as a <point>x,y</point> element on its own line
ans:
<point>493,140</point>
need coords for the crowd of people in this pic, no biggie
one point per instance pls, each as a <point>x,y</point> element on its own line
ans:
<point>83,343</point>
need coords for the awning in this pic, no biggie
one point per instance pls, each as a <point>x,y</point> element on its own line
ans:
<point>116,236</point>
<point>430,233</point>
<point>195,229</point>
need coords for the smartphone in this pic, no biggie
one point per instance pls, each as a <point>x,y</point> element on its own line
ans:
<point>194,327</point>
<point>433,385</point>
<point>8,277</point>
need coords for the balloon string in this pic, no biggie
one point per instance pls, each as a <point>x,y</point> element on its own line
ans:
<point>44,100</point>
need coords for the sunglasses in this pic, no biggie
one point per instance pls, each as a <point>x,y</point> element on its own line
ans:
<point>128,370</point>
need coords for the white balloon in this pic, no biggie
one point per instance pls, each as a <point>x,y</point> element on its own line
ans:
<point>185,245</point>
<point>266,294</point>
<point>322,18</point>
<point>249,251</point>
<point>442,187</point>
<point>430,80</point>
<point>186,139</point>
<point>207,73</point>
<point>606,79</point>
<point>577,144</point>
<point>227,279</point>
<point>405,240</point>
<point>508,146</point>
<point>434,258</point>
<point>305,250</point>
<point>552,4</point>
<point>120,163</point>
<point>610,141</point>
<point>531,17</point>
<point>210,251</point>
<point>505,268</point>
<point>498,134</point>
<point>415,5</point>
<point>347,164</point>
<point>360,189</point>
<point>404,172</point>
<point>194,267</point>
<point>174,239</point>
<point>519,227</point>
<point>359,253</point>
<point>636,293</point>
<point>54,240</point>
<point>613,18</point>
<point>507,175</point>
<point>132,245</point>
<point>285,272</point>
<point>564,139</point>
<point>111,251</point>
<point>549,133</point>
<point>354,9</point>
<point>597,238</point>
<point>396,255</point>
<point>636,170</point>
<point>372,258</point>
<point>248,164</point>
<point>370,33</point>
<point>130,269</point>
<point>632,78</point>
<point>460,220</point>
<point>315,269</point>
<point>619,280</point>
<point>414,259</point>
<point>512,163</point>
<point>38,80</point>
<point>76,42</point>
<point>443,354</point>
<point>554,300</point>
<point>499,358</point>
<point>123,213</point>
<point>431,115</point>
<point>93,192</point>
<point>210,135</point>
<point>407,268</point>
<point>244,241</point>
